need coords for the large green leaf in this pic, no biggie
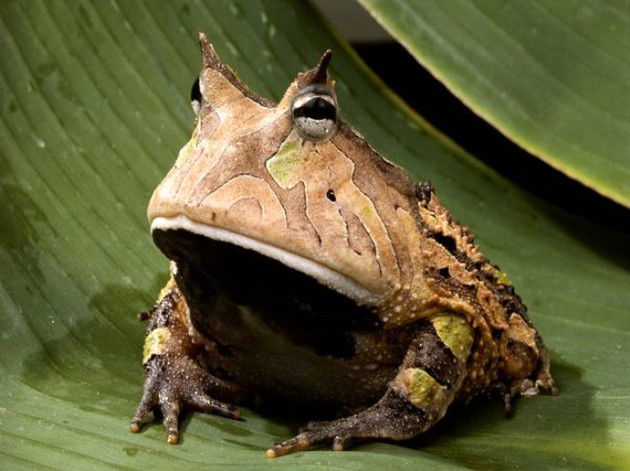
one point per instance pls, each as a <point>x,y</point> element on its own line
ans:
<point>553,76</point>
<point>94,108</point>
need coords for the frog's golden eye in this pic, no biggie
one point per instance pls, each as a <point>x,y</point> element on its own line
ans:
<point>195,96</point>
<point>315,112</point>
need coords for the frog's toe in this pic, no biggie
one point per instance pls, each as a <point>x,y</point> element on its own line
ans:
<point>204,403</point>
<point>170,412</point>
<point>173,384</point>
<point>300,442</point>
<point>147,403</point>
<point>339,433</point>
<point>341,443</point>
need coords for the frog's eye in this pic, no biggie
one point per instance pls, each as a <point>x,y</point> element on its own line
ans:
<point>195,96</point>
<point>315,112</point>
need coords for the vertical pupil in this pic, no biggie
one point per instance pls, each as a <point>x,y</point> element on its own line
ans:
<point>316,108</point>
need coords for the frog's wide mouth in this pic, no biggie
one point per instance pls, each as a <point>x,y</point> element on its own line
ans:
<point>324,275</point>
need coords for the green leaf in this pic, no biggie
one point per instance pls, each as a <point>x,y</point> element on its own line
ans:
<point>94,108</point>
<point>552,76</point>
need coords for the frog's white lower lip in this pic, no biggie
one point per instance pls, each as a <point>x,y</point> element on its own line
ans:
<point>324,275</point>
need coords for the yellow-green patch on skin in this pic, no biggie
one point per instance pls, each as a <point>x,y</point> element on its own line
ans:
<point>501,277</point>
<point>455,332</point>
<point>424,391</point>
<point>367,211</point>
<point>195,137</point>
<point>155,343</point>
<point>286,161</point>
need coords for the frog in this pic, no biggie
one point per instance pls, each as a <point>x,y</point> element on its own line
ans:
<point>307,270</point>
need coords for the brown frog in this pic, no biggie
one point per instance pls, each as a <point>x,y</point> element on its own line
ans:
<point>308,269</point>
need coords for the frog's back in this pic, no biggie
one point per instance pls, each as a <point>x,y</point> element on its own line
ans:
<point>507,352</point>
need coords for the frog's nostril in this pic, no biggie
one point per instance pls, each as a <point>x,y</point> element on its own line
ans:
<point>330,194</point>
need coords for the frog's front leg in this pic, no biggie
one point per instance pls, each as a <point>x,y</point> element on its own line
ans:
<point>426,384</point>
<point>173,378</point>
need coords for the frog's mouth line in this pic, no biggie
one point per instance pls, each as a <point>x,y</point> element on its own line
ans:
<point>324,275</point>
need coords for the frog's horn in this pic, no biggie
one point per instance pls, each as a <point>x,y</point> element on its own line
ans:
<point>209,57</point>
<point>318,74</point>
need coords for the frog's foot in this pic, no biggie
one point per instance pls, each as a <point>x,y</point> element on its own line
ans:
<point>173,383</point>
<point>540,383</point>
<point>419,395</point>
<point>393,417</point>
<point>528,387</point>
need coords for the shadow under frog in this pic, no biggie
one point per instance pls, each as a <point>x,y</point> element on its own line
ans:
<point>485,419</point>
<point>58,381</point>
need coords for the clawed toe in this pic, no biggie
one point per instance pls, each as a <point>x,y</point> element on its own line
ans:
<point>166,391</point>
<point>204,403</point>
<point>338,433</point>
<point>297,443</point>
<point>170,413</point>
<point>171,410</point>
<point>341,443</point>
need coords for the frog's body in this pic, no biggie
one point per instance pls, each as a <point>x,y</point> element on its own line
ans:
<point>306,267</point>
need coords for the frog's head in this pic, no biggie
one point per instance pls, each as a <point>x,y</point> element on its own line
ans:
<point>289,182</point>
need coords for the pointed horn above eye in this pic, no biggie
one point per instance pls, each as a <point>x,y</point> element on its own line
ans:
<point>318,74</point>
<point>211,60</point>
<point>208,55</point>
<point>321,70</point>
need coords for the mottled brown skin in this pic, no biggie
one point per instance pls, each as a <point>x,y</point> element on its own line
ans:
<point>295,259</point>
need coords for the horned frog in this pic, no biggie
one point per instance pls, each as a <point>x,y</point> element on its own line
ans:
<point>306,268</point>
